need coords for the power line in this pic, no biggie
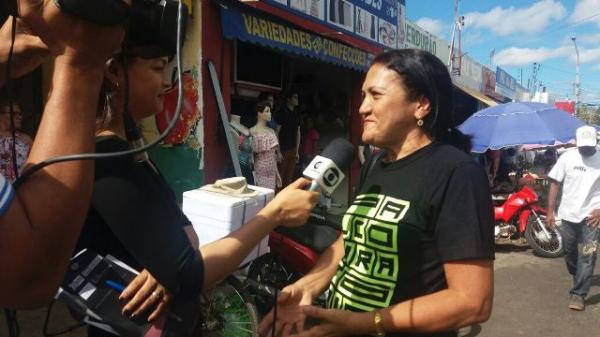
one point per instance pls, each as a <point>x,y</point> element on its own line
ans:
<point>538,37</point>
<point>558,69</point>
<point>576,23</point>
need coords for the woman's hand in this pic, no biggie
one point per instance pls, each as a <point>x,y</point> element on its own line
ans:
<point>143,294</point>
<point>291,207</point>
<point>290,315</point>
<point>278,182</point>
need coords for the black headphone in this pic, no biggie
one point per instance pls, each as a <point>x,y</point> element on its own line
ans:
<point>151,22</point>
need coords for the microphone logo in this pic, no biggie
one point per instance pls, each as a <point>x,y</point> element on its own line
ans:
<point>331,177</point>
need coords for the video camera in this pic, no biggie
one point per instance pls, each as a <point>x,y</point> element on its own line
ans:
<point>151,22</point>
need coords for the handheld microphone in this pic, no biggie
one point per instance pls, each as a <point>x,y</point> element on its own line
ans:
<point>326,170</point>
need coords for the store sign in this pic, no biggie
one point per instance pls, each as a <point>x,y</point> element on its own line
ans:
<point>261,30</point>
<point>379,21</point>
<point>489,81</point>
<point>470,74</point>
<point>419,38</point>
<point>506,85</point>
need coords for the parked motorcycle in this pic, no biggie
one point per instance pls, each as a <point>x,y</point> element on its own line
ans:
<point>520,217</point>
<point>293,253</point>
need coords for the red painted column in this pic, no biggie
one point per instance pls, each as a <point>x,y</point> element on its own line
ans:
<point>220,51</point>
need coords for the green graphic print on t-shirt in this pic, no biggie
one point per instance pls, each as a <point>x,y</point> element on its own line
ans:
<point>367,275</point>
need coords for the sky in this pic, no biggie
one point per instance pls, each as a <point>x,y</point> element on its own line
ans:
<point>521,32</point>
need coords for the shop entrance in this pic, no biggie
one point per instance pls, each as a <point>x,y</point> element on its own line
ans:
<point>325,95</point>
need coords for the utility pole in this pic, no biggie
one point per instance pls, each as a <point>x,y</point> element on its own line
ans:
<point>577,83</point>
<point>533,86</point>
<point>455,60</point>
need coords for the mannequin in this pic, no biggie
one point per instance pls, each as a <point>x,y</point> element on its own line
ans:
<point>244,146</point>
<point>22,142</point>
<point>265,147</point>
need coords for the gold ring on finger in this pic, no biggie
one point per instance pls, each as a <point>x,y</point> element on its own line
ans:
<point>156,295</point>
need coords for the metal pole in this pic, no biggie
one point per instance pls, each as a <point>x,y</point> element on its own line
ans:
<point>577,83</point>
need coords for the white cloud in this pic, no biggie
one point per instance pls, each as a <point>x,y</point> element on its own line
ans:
<point>472,38</point>
<point>586,11</point>
<point>515,56</point>
<point>435,27</point>
<point>587,55</point>
<point>511,20</point>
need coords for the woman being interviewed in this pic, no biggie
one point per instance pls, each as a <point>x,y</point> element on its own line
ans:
<point>416,257</point>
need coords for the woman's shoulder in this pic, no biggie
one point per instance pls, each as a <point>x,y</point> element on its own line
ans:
<point>448,159</point>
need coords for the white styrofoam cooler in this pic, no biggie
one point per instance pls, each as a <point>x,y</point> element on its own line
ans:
<point>215,215</point>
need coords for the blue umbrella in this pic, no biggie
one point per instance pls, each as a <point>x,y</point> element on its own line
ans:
<point>519,123</point>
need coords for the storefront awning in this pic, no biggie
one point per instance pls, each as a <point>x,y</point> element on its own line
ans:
<point>260,29</point>
<point>477,95</point>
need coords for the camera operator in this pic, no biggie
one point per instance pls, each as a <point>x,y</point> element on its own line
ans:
<point>40,222</point>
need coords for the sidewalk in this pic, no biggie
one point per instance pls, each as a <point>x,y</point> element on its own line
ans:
<point>531,297</point>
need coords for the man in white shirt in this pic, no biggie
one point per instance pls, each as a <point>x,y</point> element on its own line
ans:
<point>579,172</point>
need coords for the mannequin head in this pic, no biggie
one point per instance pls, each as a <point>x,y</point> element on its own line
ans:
<point>263,113</point>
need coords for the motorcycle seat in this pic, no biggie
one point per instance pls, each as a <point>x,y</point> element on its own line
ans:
<point>316,237</point>
<point>498,212</point>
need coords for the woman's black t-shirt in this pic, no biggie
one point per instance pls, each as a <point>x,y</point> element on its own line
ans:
<point>409,217</point>
<point>134,216</point>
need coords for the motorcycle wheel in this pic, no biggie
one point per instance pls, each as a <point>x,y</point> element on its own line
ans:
<point>270,271</point>
<point>227,311</point>
<point>536,238</point>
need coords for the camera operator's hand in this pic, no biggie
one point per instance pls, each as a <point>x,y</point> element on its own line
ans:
<point>291,207</point>
<point>75,40</point>
<point>28,51</point>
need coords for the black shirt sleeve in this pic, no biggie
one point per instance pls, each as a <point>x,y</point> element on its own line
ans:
<point>141,213</point>
<point>464,226</point>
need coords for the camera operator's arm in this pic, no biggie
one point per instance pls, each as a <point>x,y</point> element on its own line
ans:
<point>39,229</point>
<point>290,207</point>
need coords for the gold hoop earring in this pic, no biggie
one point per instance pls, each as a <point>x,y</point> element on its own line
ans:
<point>420,122</point>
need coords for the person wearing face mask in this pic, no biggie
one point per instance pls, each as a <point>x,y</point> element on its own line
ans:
<point>265,147</point>
<point>578,170</point>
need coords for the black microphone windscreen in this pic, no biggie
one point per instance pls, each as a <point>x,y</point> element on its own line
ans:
<point>340,151</point>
